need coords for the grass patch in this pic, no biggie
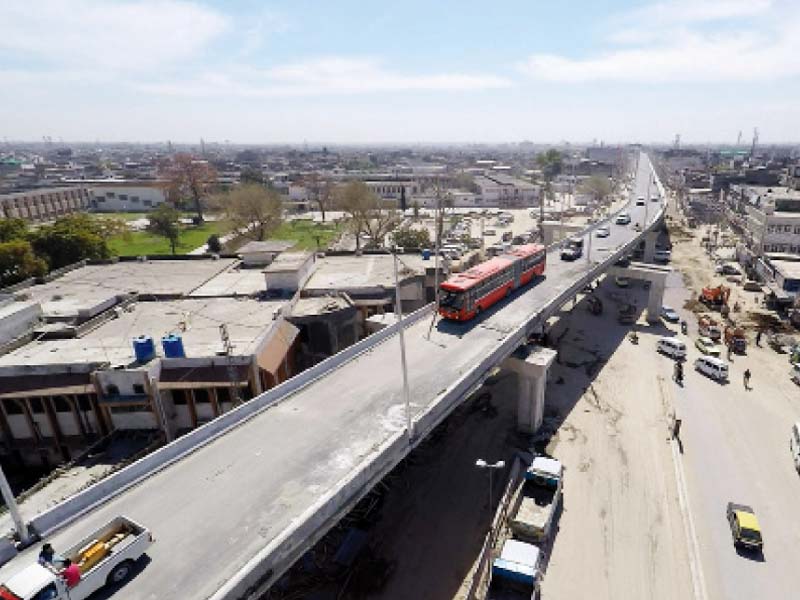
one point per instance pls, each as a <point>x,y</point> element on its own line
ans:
<point>305,232</point>
<point>143,243</point>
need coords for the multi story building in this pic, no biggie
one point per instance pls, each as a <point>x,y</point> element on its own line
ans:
<point>505,191</point>
<point>44,204</point>
<point>771,217</point>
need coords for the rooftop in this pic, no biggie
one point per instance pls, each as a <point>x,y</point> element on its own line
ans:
<point>369,270</point>
<point>93,287</point>
<point>266,246</point>
<point>196,320</point>
<point>288,261</point>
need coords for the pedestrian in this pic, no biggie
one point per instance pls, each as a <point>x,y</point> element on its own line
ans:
<point>46,555</point>
<point>747,379</point>
<point>71,573</point>
<point>758,338</point>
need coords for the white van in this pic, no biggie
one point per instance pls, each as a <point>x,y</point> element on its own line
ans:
<point>671,347</point>
<point>713,367</point>
<point>794,445</point>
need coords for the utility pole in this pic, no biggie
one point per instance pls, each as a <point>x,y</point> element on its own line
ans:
<point>13,508</point>
<point>232,375</point>
<point>398,311</point>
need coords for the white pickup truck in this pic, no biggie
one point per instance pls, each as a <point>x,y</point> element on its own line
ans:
<point>535,504</point>
<point>106,557</point>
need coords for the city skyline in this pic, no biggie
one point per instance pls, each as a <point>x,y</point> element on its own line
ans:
<point>452,73</point>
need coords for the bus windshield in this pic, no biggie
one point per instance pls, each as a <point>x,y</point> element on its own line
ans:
<point>451,299</point>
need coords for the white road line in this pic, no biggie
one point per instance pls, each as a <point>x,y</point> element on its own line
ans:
<point>698,580</point>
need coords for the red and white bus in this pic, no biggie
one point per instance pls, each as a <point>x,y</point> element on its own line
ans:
<point>464,295</point>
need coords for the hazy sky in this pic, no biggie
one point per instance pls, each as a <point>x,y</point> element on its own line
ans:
<point>400,71</point>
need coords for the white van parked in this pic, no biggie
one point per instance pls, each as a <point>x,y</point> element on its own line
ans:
<point>794,445</point>
<point>671,347</point>
<point>712,367</point>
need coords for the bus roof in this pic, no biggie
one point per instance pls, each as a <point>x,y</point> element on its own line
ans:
<point>463,281</point>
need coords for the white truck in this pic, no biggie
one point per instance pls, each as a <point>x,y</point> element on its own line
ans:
<point>106,557</point>
<point>535,504</point>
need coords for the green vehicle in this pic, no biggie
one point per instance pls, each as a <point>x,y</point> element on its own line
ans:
<point>707,346</point>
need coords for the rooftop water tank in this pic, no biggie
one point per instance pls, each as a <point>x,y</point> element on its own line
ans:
<point>173,346</point>
<point>144,348</point>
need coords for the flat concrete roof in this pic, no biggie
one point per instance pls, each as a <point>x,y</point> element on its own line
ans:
<point>233,281</point>
<point>368,270</point>
<point>247,320</point>
<point>266,246</point>
<point>288,261</point>
<point>93,285</point>
<point>790,269</point>
<point>318,305</point>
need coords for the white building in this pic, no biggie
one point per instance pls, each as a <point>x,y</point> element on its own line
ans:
<point>126,196</point>
<point>772,218</point>
<point>46,204</point>
<point>505,191</point>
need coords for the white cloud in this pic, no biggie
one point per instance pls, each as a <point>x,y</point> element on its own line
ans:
<point>323,76</point>
<point>129,35</point>
<point>684,41</point>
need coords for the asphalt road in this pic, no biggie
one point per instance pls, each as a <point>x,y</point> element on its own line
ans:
<point>217,508</point>
<point>736,449</point>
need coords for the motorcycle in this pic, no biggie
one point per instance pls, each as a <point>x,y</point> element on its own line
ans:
<point>684,327</point>
<point>634,337</point>
<point>679,373</point>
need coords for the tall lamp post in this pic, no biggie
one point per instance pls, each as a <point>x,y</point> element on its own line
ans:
<point>398,311</point>
<point>482,464</point>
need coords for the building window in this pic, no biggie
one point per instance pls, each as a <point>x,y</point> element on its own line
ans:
<point>223,395</point>
<point>61,404</point>
<point>148,203</point>
<point>787,228</point>
<point>112,390</point>
<point>123,196</point>
<point>12,407</point>
<point>135,199</point>
<point>179,397</point>
<point>36,406</point>
<point>138,388</point>
<point>110,194</point>
<point>201,396</point>
<point>84,403</point>
<point>132,408</point>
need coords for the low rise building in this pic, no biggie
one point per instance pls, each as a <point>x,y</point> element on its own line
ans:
<point>126,196</point>
<point>45,204</point>
<point>128,346</point>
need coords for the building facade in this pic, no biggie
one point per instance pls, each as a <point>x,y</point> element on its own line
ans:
<point>45,204</point>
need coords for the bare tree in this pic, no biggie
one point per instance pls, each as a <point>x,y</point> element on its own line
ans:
<point>320,190</point>
<point>253,208</point>
<point>189,178</point>
<point>366,212</point>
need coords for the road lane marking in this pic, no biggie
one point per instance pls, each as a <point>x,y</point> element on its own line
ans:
<point>698,580</point>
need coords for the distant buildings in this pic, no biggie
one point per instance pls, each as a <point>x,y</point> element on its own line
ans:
<point>771,217</point>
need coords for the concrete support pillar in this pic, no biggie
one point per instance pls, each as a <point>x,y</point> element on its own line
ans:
<point>530,363</point>
<point>650,246</point>
<point>655,300</point>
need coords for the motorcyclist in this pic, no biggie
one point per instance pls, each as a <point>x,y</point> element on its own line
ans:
<point>679,372</point>
<point>684,327</point>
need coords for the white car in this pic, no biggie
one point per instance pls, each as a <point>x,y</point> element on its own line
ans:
<point>603,232</point>
<point>640,201</point>
<point>713,367</point>
<point>623,219</point>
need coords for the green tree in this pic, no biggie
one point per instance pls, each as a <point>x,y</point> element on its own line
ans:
<point>69,240</point>
<point>165,222</point>
<point>366,213</point>
<point>598,187</point>
<point>407,237</point>
<point>214,244</point>
<point>253,208</point>
<point>550,163</point>
<point>18,262</point>
<point>13,229</point>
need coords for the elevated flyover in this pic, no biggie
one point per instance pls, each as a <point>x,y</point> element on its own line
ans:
<point>233,504</point>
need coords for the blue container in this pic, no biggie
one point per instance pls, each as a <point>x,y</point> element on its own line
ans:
<point>426,254</point>
<point>173,346</point>
<point>144,348</point>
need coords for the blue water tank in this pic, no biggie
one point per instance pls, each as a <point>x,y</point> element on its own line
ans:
<point>173,346</point>
<point>426,254</point>
<point>144,348</point>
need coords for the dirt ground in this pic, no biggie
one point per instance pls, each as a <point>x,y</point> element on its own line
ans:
<point>621,533</point>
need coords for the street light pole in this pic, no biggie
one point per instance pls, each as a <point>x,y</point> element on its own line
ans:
<point>13,508</point>
<point>482,464</point>
<point>398,311</point>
